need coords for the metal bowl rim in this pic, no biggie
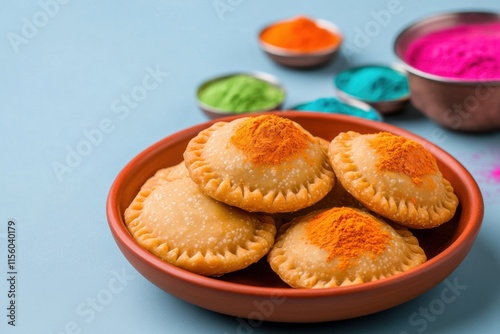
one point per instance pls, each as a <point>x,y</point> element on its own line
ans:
<point>433,77</point>
<point>278,51</point>
<point>395,66</point>
<point>269,78</point>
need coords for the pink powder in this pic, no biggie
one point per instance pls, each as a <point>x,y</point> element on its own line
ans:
<point>466,52</point>
<point>495,174</point>
<point>484,166</point>
<point>488,174</point>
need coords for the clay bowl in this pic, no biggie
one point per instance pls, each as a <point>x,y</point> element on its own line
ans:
<point>457,104</point>
<point>294,59</point>
<point>256,292</point>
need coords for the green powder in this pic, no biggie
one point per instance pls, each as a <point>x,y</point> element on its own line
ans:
<point>373,83</point>
<point>241,93</point>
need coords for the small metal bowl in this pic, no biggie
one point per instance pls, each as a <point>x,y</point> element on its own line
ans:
<point>296,59</point>
<point>213,112</point>
<point>457,104</point>
<point>383,106</point>
<point>366,111</point>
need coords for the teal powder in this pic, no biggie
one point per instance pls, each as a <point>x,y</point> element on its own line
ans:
<point>373,83</point>
<point>334,106</point>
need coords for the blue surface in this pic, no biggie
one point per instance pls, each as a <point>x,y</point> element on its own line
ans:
<point>130,70</point>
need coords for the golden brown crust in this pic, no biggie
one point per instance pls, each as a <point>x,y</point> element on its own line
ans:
<point>323,142</point>
<point>178,223</point>
<point>167,174</point>
<point>337,197</point>
<point>173,173</point>
<point>223,172</point>
<point>391,194</point>
<point>302,264</point>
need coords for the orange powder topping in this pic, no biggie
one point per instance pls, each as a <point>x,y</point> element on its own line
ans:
<point>269,139</point>
<point>402,155</point>
<point>300,34</point>
<point>346,233</point>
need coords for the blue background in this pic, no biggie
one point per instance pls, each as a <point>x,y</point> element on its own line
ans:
<point>72,73</point>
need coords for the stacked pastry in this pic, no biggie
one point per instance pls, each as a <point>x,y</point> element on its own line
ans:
<point>324,213</point>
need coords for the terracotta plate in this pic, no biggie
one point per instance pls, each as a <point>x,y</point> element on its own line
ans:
<point>256,292</point>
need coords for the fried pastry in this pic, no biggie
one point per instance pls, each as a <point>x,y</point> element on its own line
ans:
<point>393,176</point>
<point>181,225</point>
<point>341,246</point>
<point>173,173</point>
<point>167,174</point>
<point>263,163</point>
<point>337,197</point>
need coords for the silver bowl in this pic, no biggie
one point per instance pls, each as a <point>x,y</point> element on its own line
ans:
<point>365,109</point>
<point>458,104</point>
<point>213,112</point>
<point>296,59</point>
<point>383,106</point>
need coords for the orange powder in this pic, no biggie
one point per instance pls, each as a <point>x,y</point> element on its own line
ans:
<point>346,233</point>
<point>300,34</point>
<point>269,139</point>
<point>402,155</point>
